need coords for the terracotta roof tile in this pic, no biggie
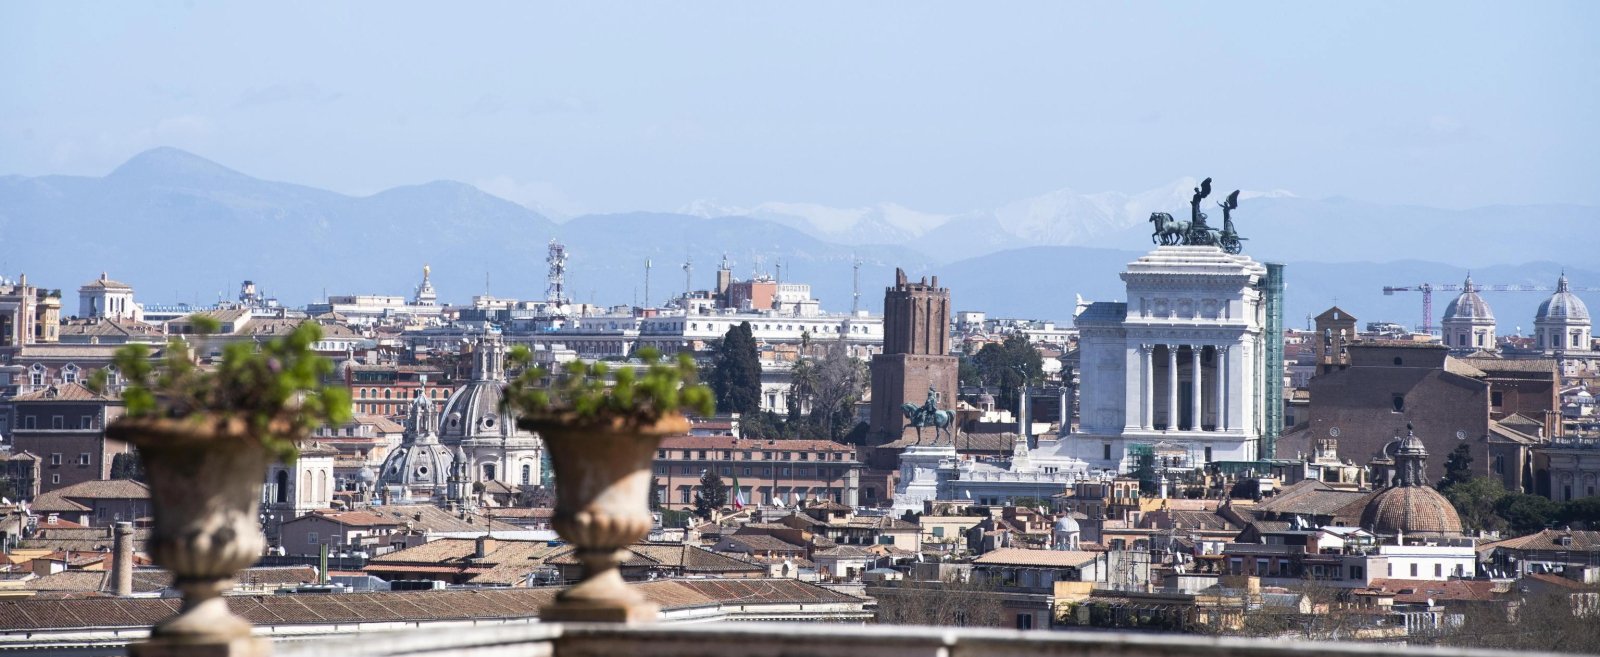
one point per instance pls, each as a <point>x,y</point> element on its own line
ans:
<point>1022,557</point>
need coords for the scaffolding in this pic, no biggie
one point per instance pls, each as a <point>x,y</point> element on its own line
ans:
<point>1272,370</point>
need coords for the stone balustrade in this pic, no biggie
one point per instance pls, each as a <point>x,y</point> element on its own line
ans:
<point>814,640</point>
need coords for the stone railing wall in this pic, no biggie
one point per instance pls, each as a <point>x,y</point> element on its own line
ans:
<point>814,640</point>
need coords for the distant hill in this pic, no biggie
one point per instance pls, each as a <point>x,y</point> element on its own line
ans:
<point>179,227</point>
<point>182,228</point>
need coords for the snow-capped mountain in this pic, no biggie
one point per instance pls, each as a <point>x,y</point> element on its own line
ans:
<point>1064,217</point>
<point>882,223</point>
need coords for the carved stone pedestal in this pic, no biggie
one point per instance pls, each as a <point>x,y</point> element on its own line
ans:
<point>602,488</point>
<point>205,489</point>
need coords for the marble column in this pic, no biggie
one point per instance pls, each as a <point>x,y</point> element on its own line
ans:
<point>1196,397</point>
<point>1172,387</point>
<point>1147,409</point>
<point>1220,357</point>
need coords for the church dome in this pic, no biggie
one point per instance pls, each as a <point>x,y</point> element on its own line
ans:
<point>1411,511</point>
<point>473,412</point>
<point>1563,306</point>
<point>1067,524</point>
<point>420,466</point>
<point>1468,306</point>
<point>1411,507</point>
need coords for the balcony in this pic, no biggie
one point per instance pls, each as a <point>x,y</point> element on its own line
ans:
<point>814,640</point>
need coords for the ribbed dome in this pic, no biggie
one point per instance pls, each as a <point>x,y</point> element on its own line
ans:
<point>420,466</point>
<point>1563,305</point>
<point>1413,511</point>
<point>1411,507</point>
<point>1468,305</point>
<point>1067,524</point>
<point>473,412</point>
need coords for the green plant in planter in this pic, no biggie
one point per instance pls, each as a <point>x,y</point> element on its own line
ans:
<point>596,394</point>
<point>277,388</point>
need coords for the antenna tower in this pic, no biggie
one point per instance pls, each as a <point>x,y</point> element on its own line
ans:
<point>688,279</point>
<point>855,286</point>
<point>556,294</point>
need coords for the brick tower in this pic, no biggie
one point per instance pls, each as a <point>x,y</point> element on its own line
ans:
<point>916,355</point>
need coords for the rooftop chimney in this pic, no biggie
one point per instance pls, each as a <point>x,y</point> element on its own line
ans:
<point>122,559</point>
<point>484,546</point>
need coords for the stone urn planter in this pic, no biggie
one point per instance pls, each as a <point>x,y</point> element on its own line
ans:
<point>603,477</point>
<point>602,427</point>
<point>205,474</point>
<point>206,433</point>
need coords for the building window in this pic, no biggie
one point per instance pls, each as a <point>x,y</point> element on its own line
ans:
<point>58,422</point>
<point>1399,403</point>
<point>683,495</point>
<point>1497,398</point>
<point>1398,361</point>
<point>747,472</point>
<point>84,459</point>
<point>1413,571</point>
<point>1499,464</point>
<point>1438,570</point>
<point>1208,455</point>
<point>86,422</point>
<point>55,479</point>
<point>1107,455</point>
<point>527,474</point>
<point>55,459</point>
<point>311,538</point>
<point>1024,621</point>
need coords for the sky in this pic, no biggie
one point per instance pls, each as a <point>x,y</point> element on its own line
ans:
<point>942,107</point>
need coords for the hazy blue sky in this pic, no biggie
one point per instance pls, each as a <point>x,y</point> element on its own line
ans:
<point>944,108</point>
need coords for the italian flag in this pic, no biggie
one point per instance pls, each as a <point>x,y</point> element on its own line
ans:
<point>738,494</point>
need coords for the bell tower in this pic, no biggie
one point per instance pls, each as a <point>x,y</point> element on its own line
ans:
<point>916,354</point>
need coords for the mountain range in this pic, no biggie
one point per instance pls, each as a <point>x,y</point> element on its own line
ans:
<point>182,228</point>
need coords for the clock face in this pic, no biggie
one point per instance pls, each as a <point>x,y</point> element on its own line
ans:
<point>1333,431</point>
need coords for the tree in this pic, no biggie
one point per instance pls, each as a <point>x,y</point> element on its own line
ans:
<point>828,386</point>
<point>735,375</point>
<point>1457,467</point>
<point>1010,365</point>
<point>1526,513</point>
<point>967,601</point>
<point>655,499</point>
<point>127,466</point>
<point>1475,500</point>
<point>1583,512</point>
<point>710,496</point>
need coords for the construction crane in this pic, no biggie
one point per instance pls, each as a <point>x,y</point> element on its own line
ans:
<point>1427,290</point>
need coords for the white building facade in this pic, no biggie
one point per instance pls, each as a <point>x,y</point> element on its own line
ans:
<point>1180,362</point>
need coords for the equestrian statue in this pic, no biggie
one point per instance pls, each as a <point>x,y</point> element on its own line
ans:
<point>929,415</point>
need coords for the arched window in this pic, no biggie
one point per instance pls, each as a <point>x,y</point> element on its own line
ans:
<point>488,471</point>
<point>282,496</point>
<point>69,374</point>
<point>388,394</point>
<point>527,474</point>
<point>36,375</point>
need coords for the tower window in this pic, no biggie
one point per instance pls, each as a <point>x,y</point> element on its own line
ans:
<point>1399,403</point>
<point>1398,361</point>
